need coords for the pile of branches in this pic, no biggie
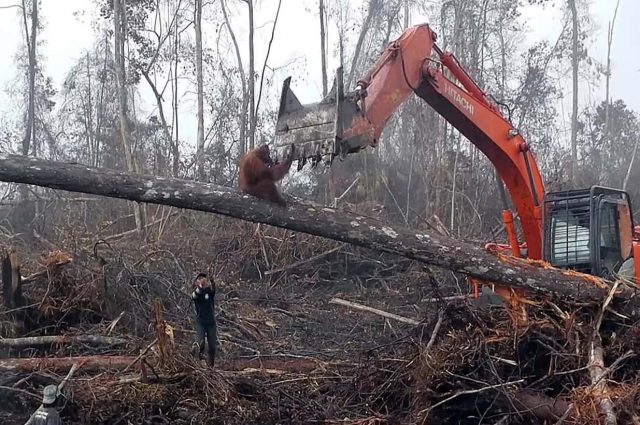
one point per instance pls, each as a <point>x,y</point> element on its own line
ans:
<point>409,346</point>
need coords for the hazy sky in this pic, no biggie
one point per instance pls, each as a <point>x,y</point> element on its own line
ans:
<point>68,31</point>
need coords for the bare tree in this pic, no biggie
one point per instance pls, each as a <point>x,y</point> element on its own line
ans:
<point>200,146</point>
<point>373,11</point>
<point>323,47</point>
<point>119,20</point>
<point>170,29</point>
<point>252,76</point>
<point>607,124</point>
<point>176,126</point>
<point>406,14</point>
<point>266,58</point>
<point>30,37</point>
<point>243,81</point>
<point>575,64</point>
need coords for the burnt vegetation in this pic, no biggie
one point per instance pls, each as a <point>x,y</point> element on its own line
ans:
<point>96,290</point>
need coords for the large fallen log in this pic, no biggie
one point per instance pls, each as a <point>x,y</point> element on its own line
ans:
<point>423,246</point>
<point>123,363</point>
<point>36,341</point>
<point>64,364</point>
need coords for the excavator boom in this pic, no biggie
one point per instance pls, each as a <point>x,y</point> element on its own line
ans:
<point>344,123</point>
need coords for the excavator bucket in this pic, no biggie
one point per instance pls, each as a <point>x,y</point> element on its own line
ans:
<point>320,131</point>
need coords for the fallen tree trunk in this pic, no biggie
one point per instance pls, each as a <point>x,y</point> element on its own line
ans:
<point>64,364</point>
<point>422,246</point>
<point>122,363</point>
<point>35,341</point>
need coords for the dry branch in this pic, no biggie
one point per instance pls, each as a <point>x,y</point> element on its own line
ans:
<point>429,248</point>
<point>142,353</point>
<point>35,341</point>
<point>368,309</point>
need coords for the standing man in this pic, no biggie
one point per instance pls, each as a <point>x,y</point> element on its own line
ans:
<point>47,413</point>
<point>204,300</point>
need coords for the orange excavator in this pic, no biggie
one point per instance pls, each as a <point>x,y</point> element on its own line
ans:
<point>588,230</point>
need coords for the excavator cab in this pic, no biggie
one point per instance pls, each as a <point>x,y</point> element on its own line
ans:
<point>590,231</point>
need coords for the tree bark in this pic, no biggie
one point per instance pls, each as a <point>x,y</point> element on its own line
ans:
<point>12,281</point>
<point>252,78</point>
<point>406,14</point>
<point>436,250</point>
<point>64,364</point>
<point>200,148</point>
<point>385,314</point>
<point>175,147</point>
<point>93,363</point>
<point>323,49</point>
<point>596,372</point>
<point>575,64</point>
<point>36,341</point>
<point>31,41</point>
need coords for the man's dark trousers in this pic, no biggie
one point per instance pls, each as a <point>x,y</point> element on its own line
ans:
<point>205,323</point>
<point>208,332</point>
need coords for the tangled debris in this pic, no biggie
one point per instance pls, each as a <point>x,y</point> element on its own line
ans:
<point>119,312</point>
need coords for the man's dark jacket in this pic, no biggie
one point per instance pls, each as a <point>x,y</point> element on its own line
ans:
<point>203,298</point>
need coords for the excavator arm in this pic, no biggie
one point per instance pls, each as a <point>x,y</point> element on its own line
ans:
<point>345,123</point>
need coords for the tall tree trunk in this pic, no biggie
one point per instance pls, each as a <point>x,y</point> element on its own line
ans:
<point>30,40</point>
<point>28,142</point>
<point>323,48</point>
<point>625,182</point>
<point>452,221</point>
<point>200,149</point>
<point>406,14</point>
<point>163,118</point>
<point>252,77</point>
<point>330,191</point>
<point>243,80</point>
<point>90,134</point>
<point>607,111</point>
<point>119,31</point>
<point>100,106</point>
<point>174,87</point>
<point>575,63</point>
